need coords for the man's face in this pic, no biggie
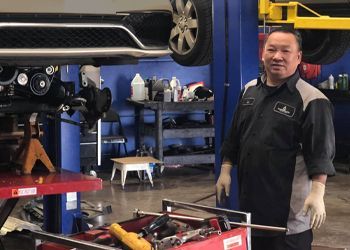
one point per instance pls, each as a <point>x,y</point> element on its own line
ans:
<point>281,56</point>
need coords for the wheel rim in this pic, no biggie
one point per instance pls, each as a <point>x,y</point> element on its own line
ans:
<point>184,34</point>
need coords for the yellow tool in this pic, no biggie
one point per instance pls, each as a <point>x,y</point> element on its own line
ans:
<point>132,240</point>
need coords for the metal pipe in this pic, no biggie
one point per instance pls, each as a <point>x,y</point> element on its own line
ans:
<point>80,244</point>
<point>175,216</point>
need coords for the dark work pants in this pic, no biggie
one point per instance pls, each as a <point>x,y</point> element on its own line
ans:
<point>301,241</point>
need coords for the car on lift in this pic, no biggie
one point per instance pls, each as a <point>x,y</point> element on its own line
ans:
<point>322,46</point>
<point>104,32</point>
<point>36,34</point>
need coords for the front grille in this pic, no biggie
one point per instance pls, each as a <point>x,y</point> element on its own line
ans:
<point>65,38</point>
<point>152,29</point>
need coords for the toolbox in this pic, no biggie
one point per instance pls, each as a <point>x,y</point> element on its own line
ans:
<point>220,235</point>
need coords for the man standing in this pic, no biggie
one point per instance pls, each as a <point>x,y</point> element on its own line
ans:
<point>282,140</point>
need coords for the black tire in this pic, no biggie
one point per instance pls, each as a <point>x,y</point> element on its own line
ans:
<point>200,33</point>
<point>324,46</point>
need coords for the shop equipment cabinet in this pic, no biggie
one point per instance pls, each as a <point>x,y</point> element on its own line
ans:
<point>159,133</point>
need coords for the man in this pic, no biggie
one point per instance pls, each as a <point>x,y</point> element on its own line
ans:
<point>282,140</point>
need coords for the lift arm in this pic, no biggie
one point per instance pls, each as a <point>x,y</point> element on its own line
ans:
<point>287,13</point>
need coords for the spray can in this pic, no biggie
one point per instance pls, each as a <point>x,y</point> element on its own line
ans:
<point>340,82</point>
<point>331,82</point>
<point>346,81</point>
<point>137,88</point>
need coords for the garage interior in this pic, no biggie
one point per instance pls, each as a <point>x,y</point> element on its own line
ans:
<point>185,137</point>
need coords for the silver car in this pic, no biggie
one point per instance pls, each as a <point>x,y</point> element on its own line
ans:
<point>42,32</point>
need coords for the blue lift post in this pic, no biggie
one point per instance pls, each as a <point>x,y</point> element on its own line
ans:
<point>242,48</point>
<point>62,212</point>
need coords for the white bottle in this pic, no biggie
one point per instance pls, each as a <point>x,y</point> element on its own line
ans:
<point>175,95</point>
<point>331,82</point>
<point>173,83</point>
<point>137,88</point>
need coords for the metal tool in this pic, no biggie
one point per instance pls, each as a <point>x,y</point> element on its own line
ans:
<point>79,244</point>
<point>179,239</point>
<point>155,224</point>
<point>255,226</point>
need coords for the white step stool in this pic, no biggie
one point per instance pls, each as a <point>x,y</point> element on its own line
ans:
<point>138,164</point>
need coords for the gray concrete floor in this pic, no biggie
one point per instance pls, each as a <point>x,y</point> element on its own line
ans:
<point>191,184</point>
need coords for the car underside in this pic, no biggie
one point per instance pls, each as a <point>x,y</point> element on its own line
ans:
<point>39,36</point>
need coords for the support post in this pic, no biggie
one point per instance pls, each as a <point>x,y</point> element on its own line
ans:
<point>241,51</point>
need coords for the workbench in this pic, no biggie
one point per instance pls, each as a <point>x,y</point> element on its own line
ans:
<point>14,186</point>
<point>160,133</point>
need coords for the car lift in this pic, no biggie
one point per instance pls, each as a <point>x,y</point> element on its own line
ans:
<point>54,184</point>
<point>287,13</point>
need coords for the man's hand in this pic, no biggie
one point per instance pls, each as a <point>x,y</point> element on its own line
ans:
<point>314,203</point>
<point>224,182</point>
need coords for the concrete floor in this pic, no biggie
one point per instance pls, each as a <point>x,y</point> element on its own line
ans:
<point>194,184</point>
<point>191,185</point>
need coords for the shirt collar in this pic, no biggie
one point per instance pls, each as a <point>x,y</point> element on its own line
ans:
<point>291,81</point>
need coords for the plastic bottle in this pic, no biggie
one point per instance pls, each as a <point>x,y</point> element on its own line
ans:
<point>185,93</point>
<point>173,83</point>
<point>137,88</point>
<point>151,165</point>
<point>346,81</point>
<point>178,90</point>
<point>175,95</point>
<point>167,95</point>
<point>331,82</point>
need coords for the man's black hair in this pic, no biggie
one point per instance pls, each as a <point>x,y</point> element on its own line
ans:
<point>289,30</point>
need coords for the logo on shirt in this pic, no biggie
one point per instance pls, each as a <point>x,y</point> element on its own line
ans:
<point>248,101</point>
<point>284,109</point>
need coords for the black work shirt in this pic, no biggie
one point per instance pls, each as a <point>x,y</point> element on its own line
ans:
<point>279,138</point>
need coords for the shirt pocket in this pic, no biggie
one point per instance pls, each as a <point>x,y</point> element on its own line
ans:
<point>282,132</point>
<point>246,113</point>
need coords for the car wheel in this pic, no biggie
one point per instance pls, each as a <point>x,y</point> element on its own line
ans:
<point>324,46</point>
<point>191,35</point>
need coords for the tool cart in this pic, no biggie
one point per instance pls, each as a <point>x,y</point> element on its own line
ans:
<point>173,228</point>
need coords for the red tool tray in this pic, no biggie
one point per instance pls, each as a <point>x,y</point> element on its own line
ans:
<point>38,183</point>
<point>234,239</point>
